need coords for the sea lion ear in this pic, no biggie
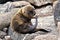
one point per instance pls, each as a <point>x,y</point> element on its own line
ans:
<point>22,10</point>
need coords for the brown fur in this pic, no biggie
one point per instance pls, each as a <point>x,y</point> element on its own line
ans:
<point>21,21</point>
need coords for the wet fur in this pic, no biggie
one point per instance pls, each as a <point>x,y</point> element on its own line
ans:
<point>21,21</point>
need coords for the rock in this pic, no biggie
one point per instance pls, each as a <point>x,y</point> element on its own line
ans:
<point>54,4</point>
<point>57,11</point>
<point>46,37</point>
<point>5,18</point>
<point>20,3</point>
<point>7,7</point>
<point>44,11</point>
<point>58,28</point>
<point>5,29</point>
<point>8,38</point>
<point>46,23</point>
<point>2,34</point>
<point>30,36</point>
<point>59,38</point>
<point>38,2</point>
<point>14,35</point>
<point>0,39</point>
<point>36,36</point>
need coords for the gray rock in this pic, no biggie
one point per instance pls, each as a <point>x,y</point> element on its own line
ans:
<point>0,39</point>
<point>14,35</point>
<point>36,36</point>
<point>38,2</point>
<point>7,7</point>
<point>46,23</point>
<point>44,11</point>
<point>2,34</point>
<point>5,18</point>
<point>58,28</point>
<point>57,11</point>
<point>8,38</point>
<point>54,4</point>
<point>5,29</point>
<point>20,3</point>
<point>46,37</point>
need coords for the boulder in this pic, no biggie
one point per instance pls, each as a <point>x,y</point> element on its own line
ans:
<point>44,11</point>
<point>38,2</point>
<point>46,37</point>
<point>7,7</point>
<point>58,28</point>
<point>46,23</point>
<point>2,34</point>
<point>57,11</point>
<point>5,19</point>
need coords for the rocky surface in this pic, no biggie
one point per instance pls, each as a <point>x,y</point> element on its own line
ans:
<point>5,19</point>
<point>58,28</point>
<point>38,2</point>
<point>2,34</point>
<point>48,15</point>
<point>7,7</point>
<point>46,37</point>
<point>44,11</point>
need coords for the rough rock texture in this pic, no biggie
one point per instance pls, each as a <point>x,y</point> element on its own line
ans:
<point>0,39</point>
<point>47,23</point>
<point>57,17</point>
<point>7,7</point>
<point>58,28</point>
<point>57,11</point>
<point>46,37</point>
<point>44,11</point>
<point>8,38</point>
<point>20,3</point>
<point>14,35</point>
<point>54,4</point>
<point>5,19</point>
<point>38,2</point>
<point>2,34</point>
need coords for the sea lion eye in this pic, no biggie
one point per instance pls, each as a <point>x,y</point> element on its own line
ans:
<point>31,11</point>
